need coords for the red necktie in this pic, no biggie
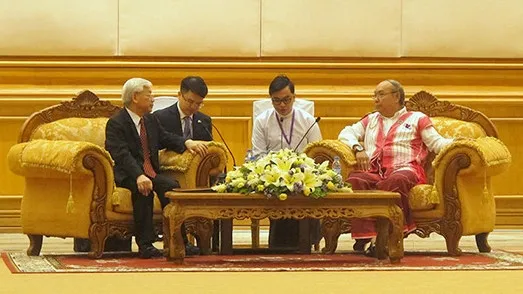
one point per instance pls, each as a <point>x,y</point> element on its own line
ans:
<point>147,165</point>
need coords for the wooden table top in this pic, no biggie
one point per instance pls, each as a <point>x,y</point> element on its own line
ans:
<point>205,193</point>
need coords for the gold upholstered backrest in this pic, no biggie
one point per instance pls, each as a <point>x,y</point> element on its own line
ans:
<point>90,130</point>
<point>451,121</point>
<point>82,119</point>
<point>455,128</point>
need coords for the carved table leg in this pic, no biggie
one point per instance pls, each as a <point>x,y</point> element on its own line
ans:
<point>35,244</point>
<point>204,227</point>
<point>396,249</point>
<point>382,228</point>
<point>482,242</point>
<point>166,230</point>
<point>330,230</point>
<point>175,247</point>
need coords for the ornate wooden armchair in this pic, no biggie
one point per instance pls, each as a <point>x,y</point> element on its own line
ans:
<point>458,199</point>
<point>69,183</point>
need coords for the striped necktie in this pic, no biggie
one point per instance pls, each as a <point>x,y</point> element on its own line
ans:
<point>187,128</point>
<point>147,165</point>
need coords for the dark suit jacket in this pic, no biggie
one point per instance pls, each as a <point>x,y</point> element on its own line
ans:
<point>170,119</point>
<point>123,143</point>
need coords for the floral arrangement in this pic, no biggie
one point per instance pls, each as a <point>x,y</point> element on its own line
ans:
<point>281,174</point>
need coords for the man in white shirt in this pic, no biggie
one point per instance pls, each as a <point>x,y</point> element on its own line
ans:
<point>395,144</point>
<point>280,127</point>
<point>283,126</point>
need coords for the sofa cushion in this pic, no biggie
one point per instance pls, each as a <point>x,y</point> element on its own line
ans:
<point>423,197</point>
<point>74,129</point>
<point>122,202</point>
<point>453,128</point>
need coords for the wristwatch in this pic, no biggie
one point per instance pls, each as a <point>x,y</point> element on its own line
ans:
<point>357,148</point>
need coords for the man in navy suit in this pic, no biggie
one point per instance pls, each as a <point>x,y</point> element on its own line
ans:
<point>183,117</point>
<point>133,138</point>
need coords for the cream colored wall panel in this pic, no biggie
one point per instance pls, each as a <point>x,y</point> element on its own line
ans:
<point>349,28</point>
<point>190,28</point>
<point>58,27</point>
<point>466,28</point>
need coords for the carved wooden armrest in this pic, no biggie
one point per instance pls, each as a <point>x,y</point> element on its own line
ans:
<point>327,149</point>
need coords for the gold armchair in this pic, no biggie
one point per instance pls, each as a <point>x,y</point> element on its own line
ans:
<point>458,199</point>
<point>69,183</point>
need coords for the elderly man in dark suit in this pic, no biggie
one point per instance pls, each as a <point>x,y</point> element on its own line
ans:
<point>133,138</point>
<point>183,117</point>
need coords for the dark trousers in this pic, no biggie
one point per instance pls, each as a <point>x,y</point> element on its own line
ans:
<point>284,233</point>
<point>143,207</point>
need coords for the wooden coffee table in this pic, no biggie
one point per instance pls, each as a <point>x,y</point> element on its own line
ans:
<point>380,205</point>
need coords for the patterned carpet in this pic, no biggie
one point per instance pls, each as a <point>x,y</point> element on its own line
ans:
<point>19,262</point>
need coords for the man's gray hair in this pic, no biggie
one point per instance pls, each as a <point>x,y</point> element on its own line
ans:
<point>399,88</point>
<point>134,85</point>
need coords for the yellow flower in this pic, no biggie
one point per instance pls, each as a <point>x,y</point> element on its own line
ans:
<point>307,191</point>
<point>346,189</point>
<point>331,186</point>
<point>282,196</point>
<point>290,180</point>
<point>271,177</point>
<point>220,188</point>
<point>260,188</point>
<point>310,181</point>
<point>283,164</point>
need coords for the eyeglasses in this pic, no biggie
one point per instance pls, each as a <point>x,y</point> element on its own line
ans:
<point>192,102</point>
<point>380,95</point>
<point>285,100</point>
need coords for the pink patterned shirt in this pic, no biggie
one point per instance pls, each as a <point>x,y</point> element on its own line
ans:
<point>396,143</point>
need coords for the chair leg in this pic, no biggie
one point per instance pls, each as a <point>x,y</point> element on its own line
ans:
<point>97,235</point>
<point>482,242</point>
<point>35,244</point>
<point>452,241</point>
<point>255,233</point>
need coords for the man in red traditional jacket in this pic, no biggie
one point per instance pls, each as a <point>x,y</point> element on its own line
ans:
<point>395,144</point>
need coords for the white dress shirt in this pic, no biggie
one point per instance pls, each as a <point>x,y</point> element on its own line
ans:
<point>268,136</point>
<point>136,119</point>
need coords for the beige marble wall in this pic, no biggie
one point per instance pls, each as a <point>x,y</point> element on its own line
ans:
<point>267,28</point>
<point>59,27</point>
<point>190,28</point>
<point>350,28</point>
<point>466,28</point>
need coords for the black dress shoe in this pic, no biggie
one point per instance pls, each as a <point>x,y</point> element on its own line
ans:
<point>371,250</point>
<point>359,245</point>
<point>190,249</point>
<point>149,251</point>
